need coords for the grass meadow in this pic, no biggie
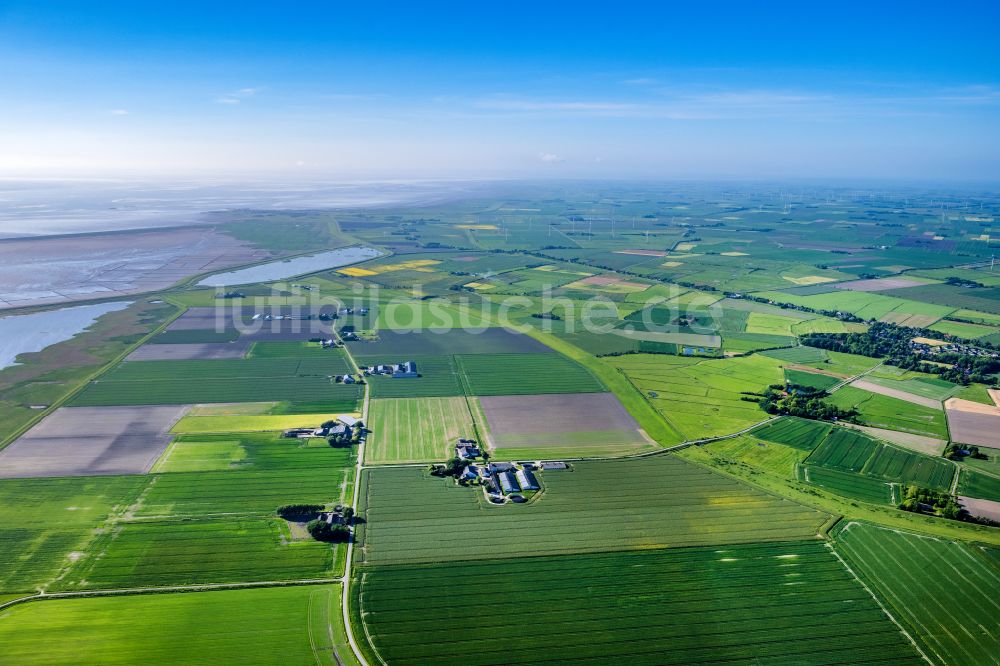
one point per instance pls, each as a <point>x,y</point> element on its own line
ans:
<point>882,411</point>
<point>288,625</point>
<point>702,397</point>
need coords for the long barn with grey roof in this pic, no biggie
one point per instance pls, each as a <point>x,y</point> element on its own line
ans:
<point>527,480</point>
<point>507,482</point>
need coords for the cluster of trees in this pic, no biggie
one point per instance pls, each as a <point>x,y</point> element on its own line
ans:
<point>962,282</point>
<point>298,511</point>
<point>894,343</point>
<point>962,451</point>
<point>803,401</point>
<point>925,500</point>
<point>937,503</point>
<point>452,467</point>
<point>337,531</point>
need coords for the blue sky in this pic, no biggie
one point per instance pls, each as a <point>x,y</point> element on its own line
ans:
<point>322,89</point>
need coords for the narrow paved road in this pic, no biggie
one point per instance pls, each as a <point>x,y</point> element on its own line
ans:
<point>358,466</point>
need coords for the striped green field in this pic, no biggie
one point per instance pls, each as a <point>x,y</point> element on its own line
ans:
<point>189,528</point>
<point>783,603</point>
<point>907,467</point>
<point>844,449</point>
<point>44,521</point>
<point>658,501</point>
<point>416,429</point>
<point>250,380</point>
<point>947,593</point>
<point>231,549</point>
<point>287,625</point>
<point>977,484</point>
<point>849,484</point>
<point>803,434</point>
<point>525,374</point>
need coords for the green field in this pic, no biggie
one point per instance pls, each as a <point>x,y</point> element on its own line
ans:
<point>258,491</point>
<point>844,449</point>
<point>802,434</point>
<point>975,393</point>
<point>195,528</point>
<point>747,342</point>
<point>525,374</point>
<point>211,452</point>
<point>798,354</point>
<point>416,429</point>
<point>319,392</point>
<point>977,484</point>
<point>811,379</point>
<point>964,329</point>
<point>438,377</point>
<point>251,380</point>
<point>943,591</point>
<point>233,549</point>
<point>925,386</point>
<point>658,501</point>
<point>882,411</point>
<point>305,351</point>
<point>849,484</point>
<point>288,625</point>
<point>43,522</point>
<point>702,397</point>
<point>771,603</point>
<point>871,305</point>
<point>775,458</point>
<point>907,467</point>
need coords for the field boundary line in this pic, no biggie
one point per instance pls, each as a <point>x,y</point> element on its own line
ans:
<point>878,601</point>
<point>171,589</point>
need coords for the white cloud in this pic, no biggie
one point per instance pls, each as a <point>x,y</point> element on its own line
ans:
<point>119,112</point>
<point>550,157</point>
<point>504,104</point>
<point>237,96</point>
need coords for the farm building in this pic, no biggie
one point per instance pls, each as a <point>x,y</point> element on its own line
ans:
<point>407,369</point>
<point>554,465</point>
<point>501,467</point>
<point>526,479</point>
<point>467,449</point>
<point>470,473</point>
<point>507,482</point>
<point>348,420</point>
